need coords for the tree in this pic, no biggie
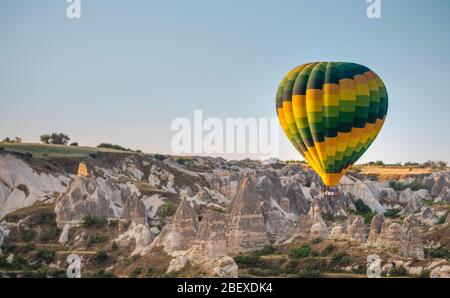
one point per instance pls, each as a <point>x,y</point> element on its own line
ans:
<point>55,138</point>
<point>379,163</point>
<point>45,139</point>
<point>15,140</point>
<point>74,144</point>
<point>442,164</point>
<point>59,139</point>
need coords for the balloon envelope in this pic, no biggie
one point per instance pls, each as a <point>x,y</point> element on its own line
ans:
<point>331,112</point>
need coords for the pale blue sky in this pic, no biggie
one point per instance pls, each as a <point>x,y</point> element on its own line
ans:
<point>123,71</point>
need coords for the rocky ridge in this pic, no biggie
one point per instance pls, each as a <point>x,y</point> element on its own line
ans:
<point>202,210</point>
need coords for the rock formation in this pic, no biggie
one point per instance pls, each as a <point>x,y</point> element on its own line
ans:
<point>428,216</point>
<point>389,195</point>
<point>356,231</point>
<point>209,250</point>
<point>438,186</point>
<point>390,235</point>
<point>4,232</point>
<point>139,234</point>
<point>367,191</point>
<point>82,170</point>
<point>245,223</point>
<point>375,228</point>
<point>222,267</point>
<point>302,228</point>
<point>338,232</point>
<point>444,196</point>
<point>412,245</point>
<point>21,186</point>
<point>88,196</point>
<point>210,241</point>
<point>264,202</point>
<point>133,211</point>
<point>282,203</point>
<point>406,196</point>
<point>319,229</point>
<point>414,205</point>
<point>180,233</point>
<point>403,238</point>
<point>423,194</point>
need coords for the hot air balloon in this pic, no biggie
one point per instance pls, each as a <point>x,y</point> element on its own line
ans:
<point>331,112</point>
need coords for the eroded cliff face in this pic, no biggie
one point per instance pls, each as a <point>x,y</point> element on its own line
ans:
<point>89,196</point>
<point>22,186</point>
<point>179,235</point>
<point>245,229</point>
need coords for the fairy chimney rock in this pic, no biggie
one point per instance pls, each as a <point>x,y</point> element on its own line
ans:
<point>82,170</point>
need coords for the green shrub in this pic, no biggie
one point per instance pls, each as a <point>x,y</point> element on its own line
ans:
<point>44,217</point>
<point>3,262</point>
<point>437,253</point>
<point>113,223</point>
<point>416,185</point>
<point>50,234</point>
<point>292,266</point>
<point>218,209</point>
<point>399,271</point>
<point>392,213</point>
<point>328,216</point>
<point>167,209</point>
<point>313,264</point>
<point>114,246</point>
<point>101,256</point>
<point>27,234</point>
<point>94,222</point>
<point>248,261</point>
<point>425,273</point>
<point>159,157</point>
<point>265,272</point>
<point>96,239</point>
<point>443,218</point>
<point>368,217</point>
<point>46,256</point>
<point>361,207</point>
<point>136,272</point>
<point>28,247</point>
<point>359,270</point>
<point>316,240</point>
<point>340,259</point>
<point>300,252</point>
<point>328,249</point>
<point>101,273</point>
<point>266,250</point>
<point>309,274</point>
<point>19,262</point>
<point>397,186</point>
<point>184,161</point>
<point>111,146</point>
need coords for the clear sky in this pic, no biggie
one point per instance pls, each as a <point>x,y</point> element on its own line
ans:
<point>126,69</point>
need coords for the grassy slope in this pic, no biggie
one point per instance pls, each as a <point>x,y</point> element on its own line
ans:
<point>56,150</point>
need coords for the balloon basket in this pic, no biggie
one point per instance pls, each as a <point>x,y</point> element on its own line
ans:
<point>330,191</point>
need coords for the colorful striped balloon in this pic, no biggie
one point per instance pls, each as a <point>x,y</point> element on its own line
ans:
<point>331,112</point>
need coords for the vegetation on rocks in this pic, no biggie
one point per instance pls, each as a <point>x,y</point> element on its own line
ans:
<point>167,209</point>
<point>392,213</point>
<point>94,222</point>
